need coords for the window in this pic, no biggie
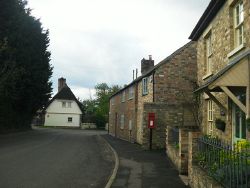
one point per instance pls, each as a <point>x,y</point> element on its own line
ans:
<point>69,104</point>
<point>122,121</point>
<point>112,101</point>
<point>130,126</point>
<point>209,52</point>
<point>144,86</point>
<point>131,93</point>
<point>123,96</point>
<point>70,119</point>
<point>238,24</point>
<point>210,117</point>
<point>64,104</point>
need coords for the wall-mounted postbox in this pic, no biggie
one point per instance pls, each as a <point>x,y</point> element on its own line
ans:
<point>151,120</point>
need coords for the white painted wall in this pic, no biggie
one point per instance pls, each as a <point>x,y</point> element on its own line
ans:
<point>57,115</point>
<point>62,120</point>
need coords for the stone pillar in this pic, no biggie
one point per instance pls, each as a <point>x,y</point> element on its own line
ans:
<point>183,151</point>
<point>192,149</point>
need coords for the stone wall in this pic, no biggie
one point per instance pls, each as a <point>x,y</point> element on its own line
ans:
<point>88,126</point>
<point>128,109</point>
<point>176,78</point>
<point>179,117</point>
<point>142,99</point>
<point>222,34</point>
<point>197,177</point>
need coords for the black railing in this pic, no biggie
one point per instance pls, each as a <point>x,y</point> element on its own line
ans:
<point>228,164</point>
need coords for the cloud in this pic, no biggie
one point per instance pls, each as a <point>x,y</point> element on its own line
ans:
<point>83,93</point>
<point>94,41</point>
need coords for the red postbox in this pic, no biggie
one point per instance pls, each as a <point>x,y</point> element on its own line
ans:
<point>151,120</point>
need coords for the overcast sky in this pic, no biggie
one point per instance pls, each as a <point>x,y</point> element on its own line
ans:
<point>95,41</point>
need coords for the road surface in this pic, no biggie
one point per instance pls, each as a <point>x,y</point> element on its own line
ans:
<point>52,158</point>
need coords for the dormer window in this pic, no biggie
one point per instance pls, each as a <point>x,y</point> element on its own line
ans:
<point>238,24</point>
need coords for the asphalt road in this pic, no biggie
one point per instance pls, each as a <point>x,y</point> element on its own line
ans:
<point>51,158</point>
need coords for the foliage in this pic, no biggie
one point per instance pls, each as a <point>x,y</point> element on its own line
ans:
<point>96,111</point>
<point>221,160</point>
<point>24,65</point>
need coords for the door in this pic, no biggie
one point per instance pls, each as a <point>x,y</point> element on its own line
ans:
<point>239,121</point>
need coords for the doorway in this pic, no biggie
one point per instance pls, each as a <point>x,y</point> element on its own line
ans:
<point>239,120</point>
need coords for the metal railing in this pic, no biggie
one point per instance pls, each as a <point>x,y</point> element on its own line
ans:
<point>228,164</point>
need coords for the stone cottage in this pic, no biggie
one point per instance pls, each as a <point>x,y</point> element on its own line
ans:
<point>160,89</point>
<point>223,58</point>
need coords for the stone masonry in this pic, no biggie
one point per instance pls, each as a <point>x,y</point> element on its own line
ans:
<point>222,33</point>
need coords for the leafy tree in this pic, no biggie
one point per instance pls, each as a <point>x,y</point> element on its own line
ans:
<point>24,65</point>
<point>97,110</point>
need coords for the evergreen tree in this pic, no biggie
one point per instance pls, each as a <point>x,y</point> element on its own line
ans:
<point>24,65</point>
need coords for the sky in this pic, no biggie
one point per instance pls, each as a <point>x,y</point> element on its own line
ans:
<point>96,41</point>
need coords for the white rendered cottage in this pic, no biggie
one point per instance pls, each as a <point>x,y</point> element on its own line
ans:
<point>63,109</point>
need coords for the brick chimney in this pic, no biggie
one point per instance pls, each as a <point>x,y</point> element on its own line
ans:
<point>61,83</point>
<point>146,64</point>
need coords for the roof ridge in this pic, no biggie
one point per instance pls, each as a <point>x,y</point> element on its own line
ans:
<point>168,58</point>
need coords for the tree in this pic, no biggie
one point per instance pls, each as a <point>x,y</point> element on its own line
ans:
<point>97,110</point>
<point>24,65</point>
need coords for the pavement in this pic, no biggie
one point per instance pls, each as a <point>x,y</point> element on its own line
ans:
<point>55,158</point>
<point>140,168</point>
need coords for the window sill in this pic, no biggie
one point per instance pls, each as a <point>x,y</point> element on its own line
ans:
<point>207,76</point>
<point>236,50</point>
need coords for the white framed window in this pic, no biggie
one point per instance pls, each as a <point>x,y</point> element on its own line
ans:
<point>123,96</point>
<point>69,104</point>
<point>63,104</point>
<point>130,125</point>
<point>131,92</point>
<point>70,119</point>
<point>210,117</point>
<point>209,52</point>
<point>238,24</point>
<point>122,121</point>
<point>145,86</point>
<point>112,101</point>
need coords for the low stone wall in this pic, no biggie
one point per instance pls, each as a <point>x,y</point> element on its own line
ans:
<point>159,133</point>
<point>198,178</point>
<point>174,154</point>
<point>88,126</point>
<point>177,148</point>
